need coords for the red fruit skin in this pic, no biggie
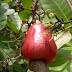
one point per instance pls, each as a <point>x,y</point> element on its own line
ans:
<point>39,46</point>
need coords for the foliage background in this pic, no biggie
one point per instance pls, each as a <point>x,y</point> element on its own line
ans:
<point>12,34</point>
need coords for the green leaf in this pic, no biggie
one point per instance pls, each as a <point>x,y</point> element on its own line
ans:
<point>7,1</point>
<point>46,19</point>
<point>1,67</point>
<point>71,31</point>
<point>0,2</point>
<point>15,19</point>
<point>61,63</point>
<point>27,3</point>
<point>9,11</point>
<point>59,7</point>
<point>2,56</point>
<point>21,61</point>
<point>12,26</point>
<point>6,47</point>
<point>25,14</point>
<point>3,18</point>
<point>12,4</point>
<point>17,67</point>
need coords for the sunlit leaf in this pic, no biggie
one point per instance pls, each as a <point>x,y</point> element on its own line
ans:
<point>16,20</point>
<point>3,18</point>
<point>62,39</point>
<point>5,5</point>
<point>10,11</point>
<point>29,70</point>
<point>24,28</point>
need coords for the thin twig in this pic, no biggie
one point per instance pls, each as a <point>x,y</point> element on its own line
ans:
<point>62,20</point>
<point>67,22</point>
<point>9,47</point>
<point>13,40</point>
<point>16,57</point>
<point>34,11</point>
<point>68,27</point>
<point>26,9</point>
<point>57,18</point>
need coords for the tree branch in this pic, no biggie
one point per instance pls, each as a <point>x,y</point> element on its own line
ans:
<point>67,22</point>
<point>38,66</point>
<point>34,11</point>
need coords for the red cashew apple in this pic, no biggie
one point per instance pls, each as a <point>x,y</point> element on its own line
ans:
<point>39,46</point>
